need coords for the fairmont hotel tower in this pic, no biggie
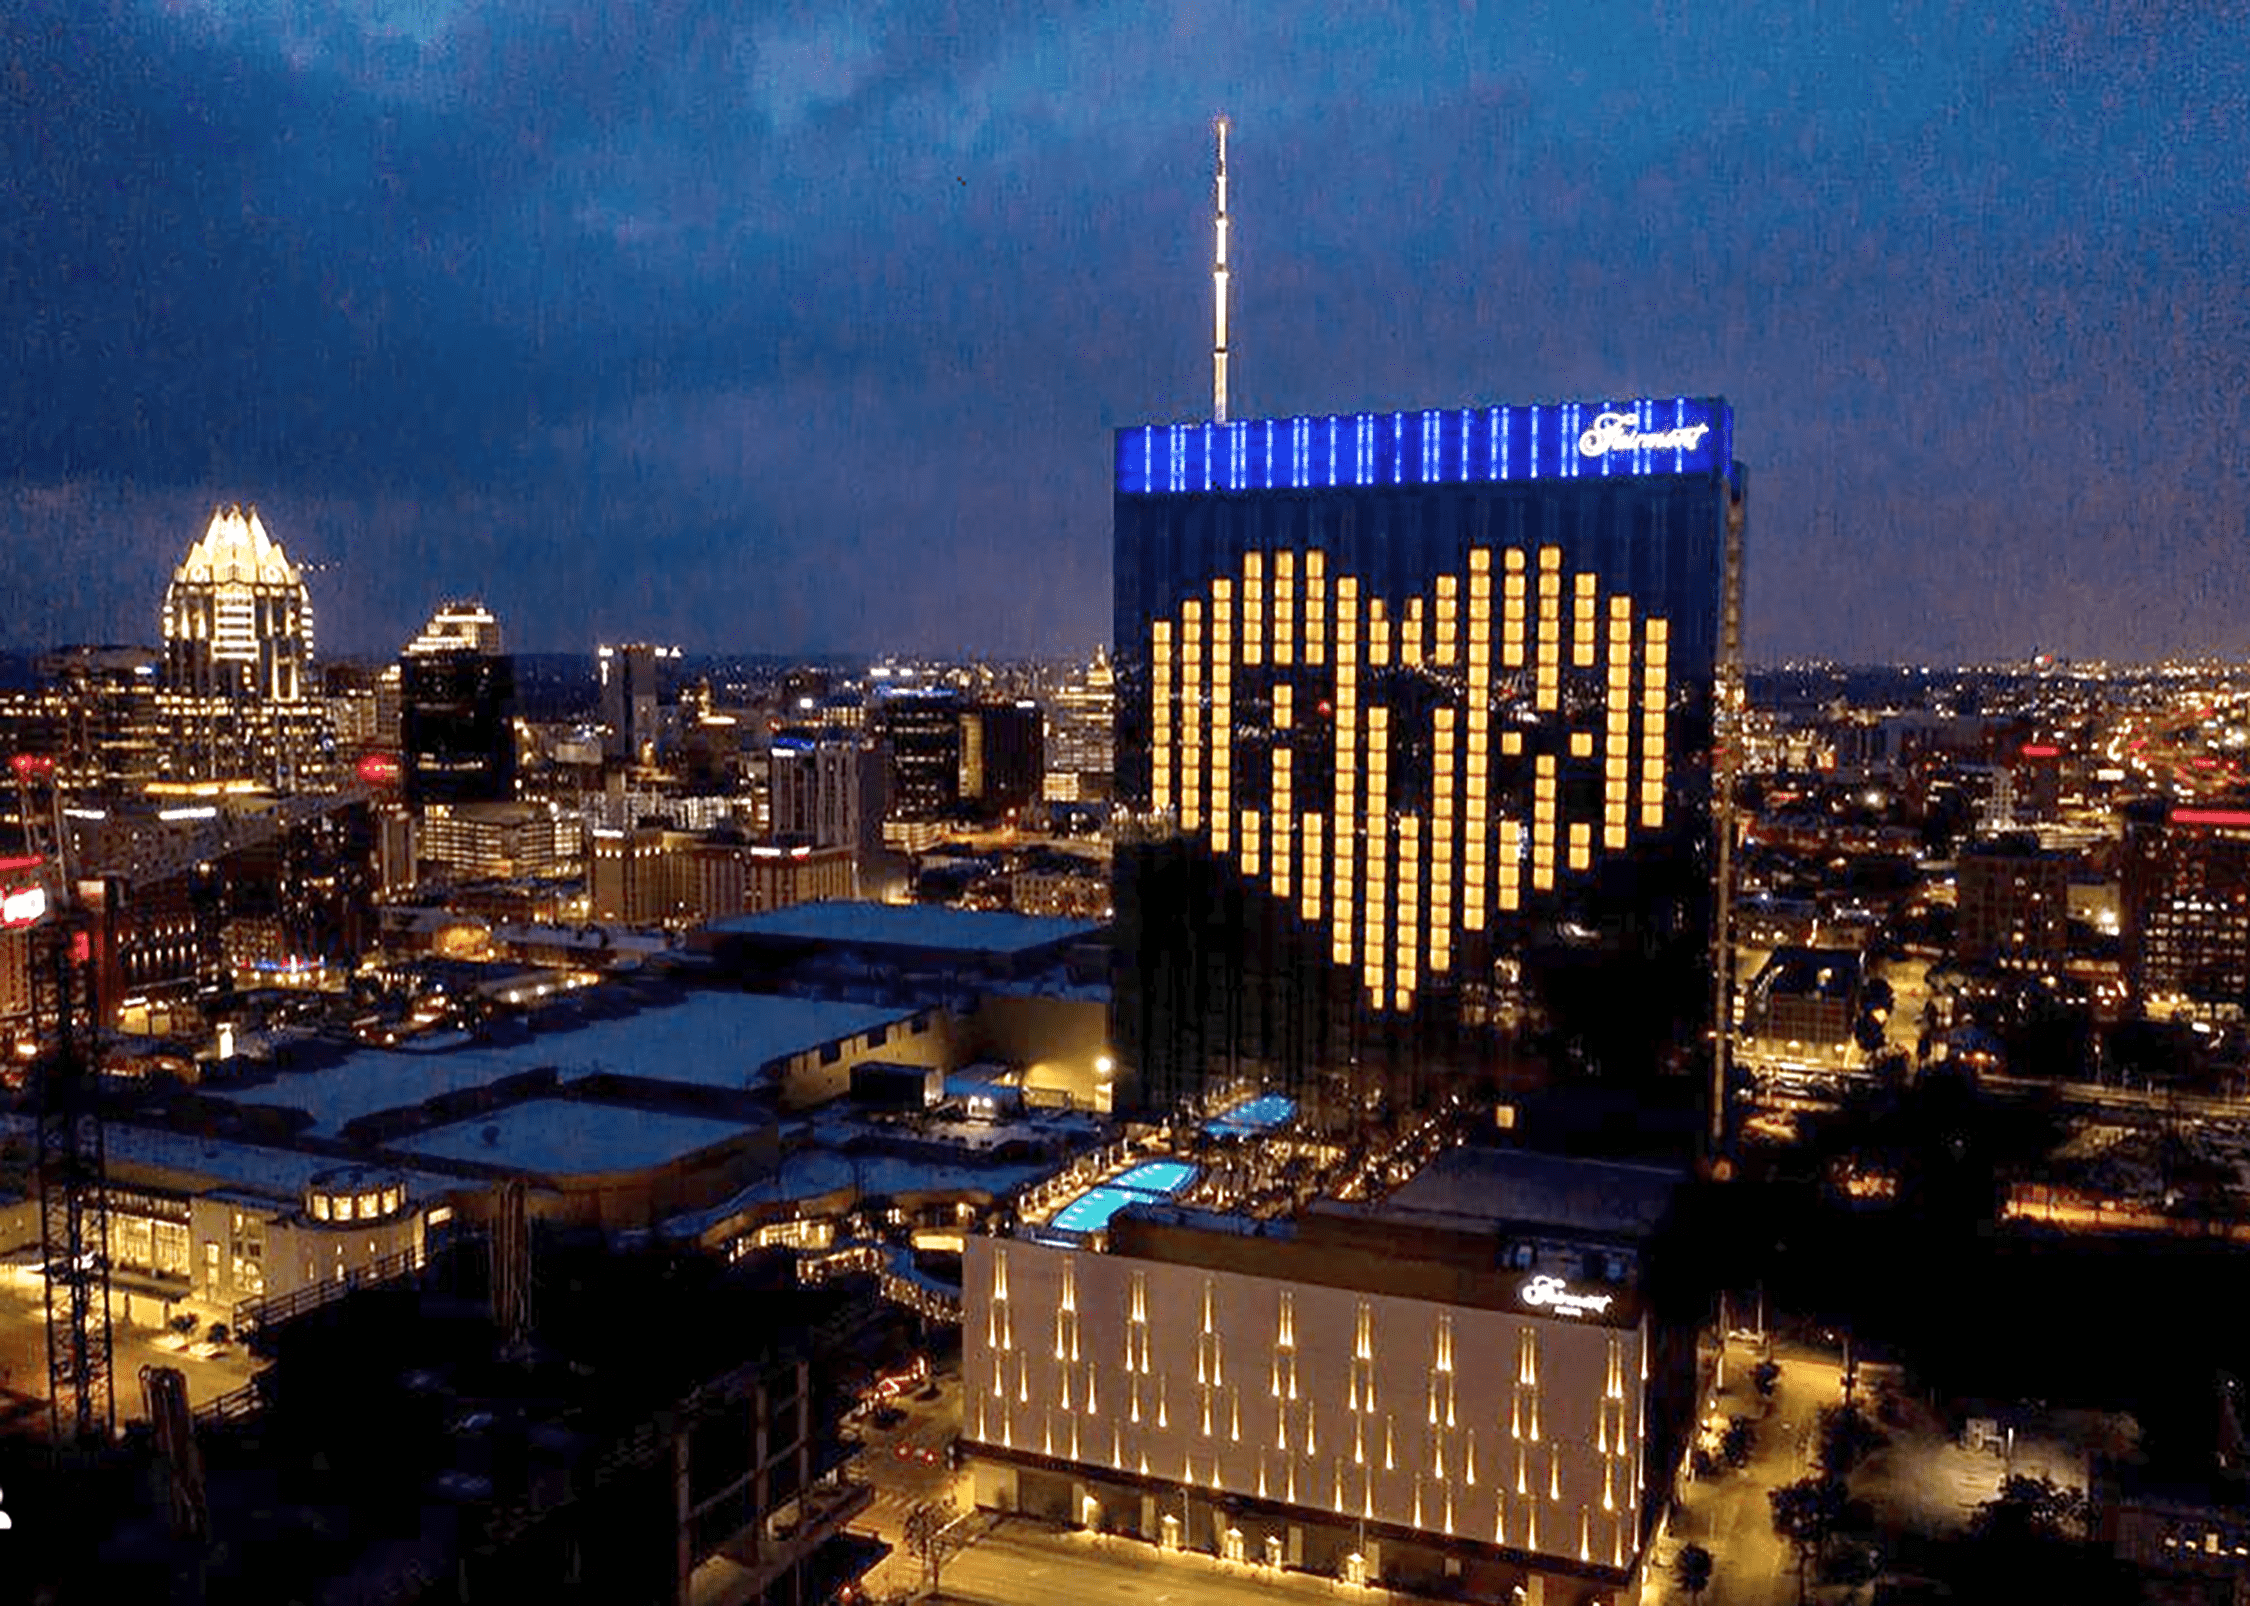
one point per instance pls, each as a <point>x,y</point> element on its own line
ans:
<point>1418,750</point>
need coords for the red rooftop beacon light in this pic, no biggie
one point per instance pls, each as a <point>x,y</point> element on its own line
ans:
<point>378,769</point>
<point>32,766</point>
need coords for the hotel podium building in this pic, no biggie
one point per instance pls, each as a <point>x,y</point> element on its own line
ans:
<point>1415,748</point>
<point>1466,1389</point>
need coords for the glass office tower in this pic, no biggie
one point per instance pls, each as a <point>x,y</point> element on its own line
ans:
<point>1416,720</point>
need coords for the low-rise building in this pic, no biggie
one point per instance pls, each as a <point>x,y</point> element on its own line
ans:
<point>1465,1388</point>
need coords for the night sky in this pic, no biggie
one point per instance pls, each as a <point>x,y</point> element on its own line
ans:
<point>791,328</point>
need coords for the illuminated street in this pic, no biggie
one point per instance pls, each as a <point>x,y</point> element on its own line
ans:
<point>1021,1563</point>
<point>23,1366</point>
<point>1729,1513</point>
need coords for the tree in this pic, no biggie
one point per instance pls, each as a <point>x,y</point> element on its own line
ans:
<point>1764,1377</point>
<point>2030,1541</point>
<point>930,1536</point>
<point>1846,1436</point>
<point>1691,1570</point>
<point>1805,1513</point>
<point>2032,1509</point>
<point>1734,1444</point>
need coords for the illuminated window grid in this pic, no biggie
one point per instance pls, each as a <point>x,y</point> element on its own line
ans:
<point>1191,715</point>
<point>1654,648</point>
<point>1253,607</point>
<point>1222,715</point>
<point>1547,686</point>
<point>1543,823</point>
<point>1617,743</point>
<point>1478,762</point>
<point>1251,844</point>
<point>1448,647</point>
<point>1581,845</point>
<point>1378,634</point>
<point>1160,708</point>
<point>1375,950</point>
<point>1411,633</point>
<point>1284,811</point>
<point>1584,627</point>
<point>1284,607</point>
<point>1316,607</point>
<point>1511,865</point>
<point>1346,811</point>
<point>1310,884</point>
<point>1512,611</point>
<point>1441,843</point>
<point>1409,909</point>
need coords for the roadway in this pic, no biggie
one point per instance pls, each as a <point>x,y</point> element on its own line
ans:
<point>1729,1513</point>
<point>1024,1563</point>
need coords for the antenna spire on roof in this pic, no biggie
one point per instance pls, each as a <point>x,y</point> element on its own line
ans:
<point>1219,286</point>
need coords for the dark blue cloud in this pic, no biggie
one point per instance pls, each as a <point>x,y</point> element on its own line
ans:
<point>804,327</point>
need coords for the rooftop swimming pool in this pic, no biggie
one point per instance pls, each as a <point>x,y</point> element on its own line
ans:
<point>1261,1114</point>
<point>1150,1180</point>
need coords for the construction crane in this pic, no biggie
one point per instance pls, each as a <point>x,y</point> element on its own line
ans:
<point>72,1163</point>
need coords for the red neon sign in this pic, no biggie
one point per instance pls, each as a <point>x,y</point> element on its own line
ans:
<point>2041,750</point>
<point>2235,817</point>
<point>378,769</point>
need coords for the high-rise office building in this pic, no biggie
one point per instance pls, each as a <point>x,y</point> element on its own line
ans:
<point>1415,747</point>
<point>457,697</point>
<point>628,687</point>
<point>2186,896</point>
<point>458,626</point>
<point>920,729</point>
<point>237,694</point>
<point>2012,904</point>
<point>1081,735</point>
<point>817,787</point>
<point>1003,755</point>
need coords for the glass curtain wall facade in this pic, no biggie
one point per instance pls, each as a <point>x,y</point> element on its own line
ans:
<point>1415,749</point>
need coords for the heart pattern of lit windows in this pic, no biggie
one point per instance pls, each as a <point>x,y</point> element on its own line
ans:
<point>1376,738</point>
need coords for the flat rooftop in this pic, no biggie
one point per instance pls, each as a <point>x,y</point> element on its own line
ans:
<point>928,928</point>
<point>708,1039</point>
<point>565,1137</point>
<point>1515,1188</point>
<point>224,1164</point>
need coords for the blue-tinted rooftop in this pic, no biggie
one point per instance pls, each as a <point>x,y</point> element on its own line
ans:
<point>1430,446</point>
<point>929,927</point>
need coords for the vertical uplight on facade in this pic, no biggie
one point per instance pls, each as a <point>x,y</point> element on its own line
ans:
<point>1222,715</point>
<point>1253,607</point>
<point>1442,781</point>
<point>1617,730</point>
<point>1344,817</point>
<point>1377,950</point>
<point>1479,721</point>
<point>1282,791</point>
<point>1160,710</point>
<point>1653,649</point>
<point>1547,687</point>
<point>1192,715</point>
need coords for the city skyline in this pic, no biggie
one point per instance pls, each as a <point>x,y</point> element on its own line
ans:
<point>791,323</point>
